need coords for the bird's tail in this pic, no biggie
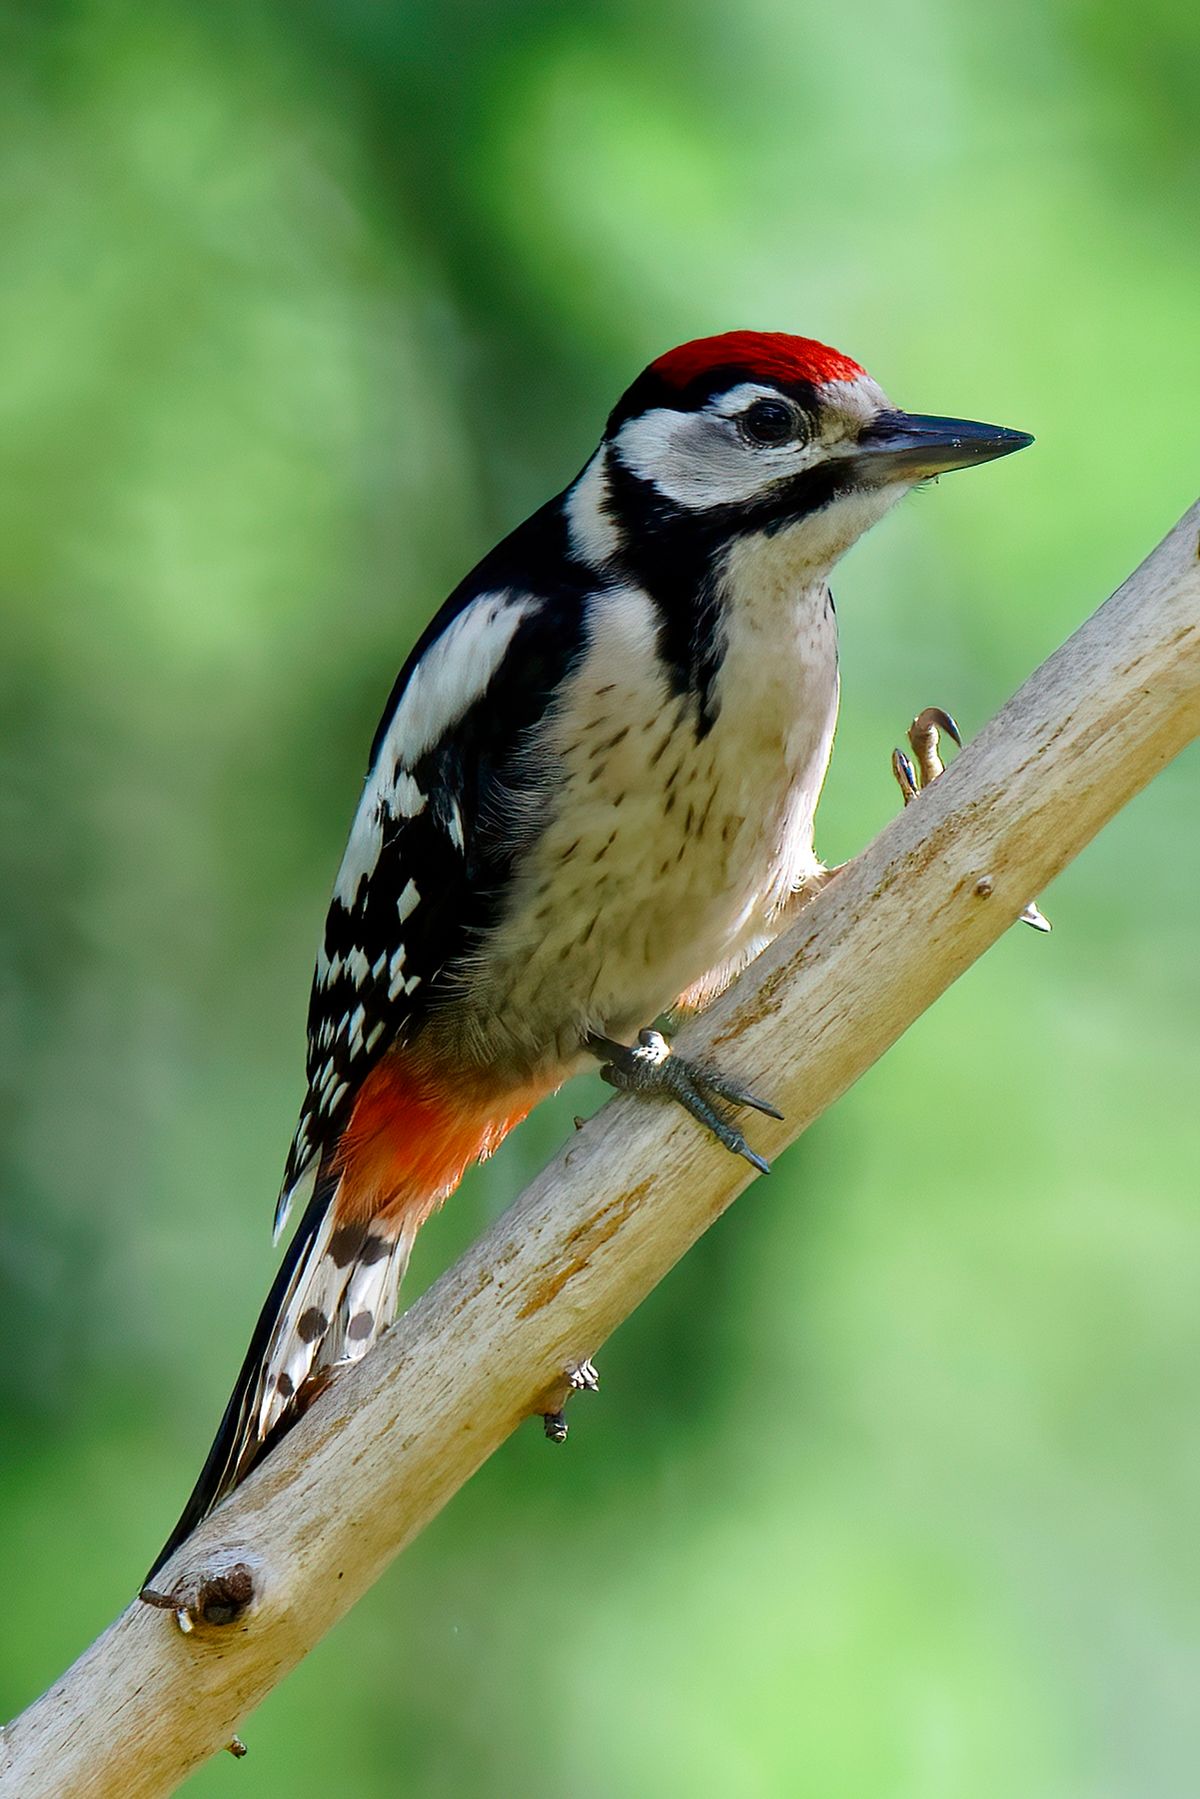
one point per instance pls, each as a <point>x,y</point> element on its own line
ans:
<point>335,1291</point>
<point>403,1151</point>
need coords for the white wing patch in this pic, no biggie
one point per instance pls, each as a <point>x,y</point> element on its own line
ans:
<point>452,674</point>
<point>362,851</point>
<point>373,897</point>
<point>406,799</point>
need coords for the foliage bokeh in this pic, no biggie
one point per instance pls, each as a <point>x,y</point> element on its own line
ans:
<point>892,1485</point>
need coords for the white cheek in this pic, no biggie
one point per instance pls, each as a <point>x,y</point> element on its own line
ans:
<point>697,460</point>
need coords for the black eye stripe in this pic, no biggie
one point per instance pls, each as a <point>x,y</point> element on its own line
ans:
<point>770,422</point>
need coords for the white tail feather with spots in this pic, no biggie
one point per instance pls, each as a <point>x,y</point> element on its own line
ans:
<point>342,1297</point>
<point>369,1304</point>
<point>334,1294</point>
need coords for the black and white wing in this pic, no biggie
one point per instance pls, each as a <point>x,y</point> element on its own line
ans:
<point>428,860</point>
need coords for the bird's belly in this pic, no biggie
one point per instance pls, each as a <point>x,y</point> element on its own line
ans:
<point>667,854</point>
<point>618,929</point>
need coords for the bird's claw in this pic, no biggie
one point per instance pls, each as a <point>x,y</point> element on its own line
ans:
<point>925,765</point>
<point>932,719</point>
<point>583,1377</point>
<point>580,1377</point>
<point>906,776</point>
<point>651,1066</point>
<point>924,736</point>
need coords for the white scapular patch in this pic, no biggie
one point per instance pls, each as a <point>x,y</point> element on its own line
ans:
<point>454,672</point>
<point>594,536</point>
<point>406,799</point>
<point>362,850</point>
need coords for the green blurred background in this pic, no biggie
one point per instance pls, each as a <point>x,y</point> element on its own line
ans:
<point>892,1487</point>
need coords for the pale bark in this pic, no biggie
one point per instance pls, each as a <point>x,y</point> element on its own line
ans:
<point>384,1450</point>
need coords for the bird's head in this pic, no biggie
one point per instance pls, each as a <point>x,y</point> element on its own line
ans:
<point>759,431</point>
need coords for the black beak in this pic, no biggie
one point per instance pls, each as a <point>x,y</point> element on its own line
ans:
<point>908,446</point>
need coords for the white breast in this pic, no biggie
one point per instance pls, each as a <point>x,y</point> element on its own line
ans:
<point>666,856</point>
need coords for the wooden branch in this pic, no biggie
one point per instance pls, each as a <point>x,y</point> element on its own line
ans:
<point>383,1451</point>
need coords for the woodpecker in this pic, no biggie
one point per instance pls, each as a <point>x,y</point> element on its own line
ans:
<point>589,803</point>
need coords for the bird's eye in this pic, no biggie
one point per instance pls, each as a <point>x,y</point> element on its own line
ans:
<point>769,422</point>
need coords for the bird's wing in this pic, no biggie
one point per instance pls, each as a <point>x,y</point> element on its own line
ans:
<point>429,856</point>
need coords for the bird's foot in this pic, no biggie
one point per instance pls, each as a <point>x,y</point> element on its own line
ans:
<point>584,1376</point>
<point>924,737</point>
<point>915,773</point>
<point>579,1377</point>
<point>651,1066</point>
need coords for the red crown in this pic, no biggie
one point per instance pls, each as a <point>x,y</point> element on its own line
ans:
<point>761,355</point>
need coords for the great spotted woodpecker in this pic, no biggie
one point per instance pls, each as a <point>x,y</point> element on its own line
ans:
<point>589,802</point>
